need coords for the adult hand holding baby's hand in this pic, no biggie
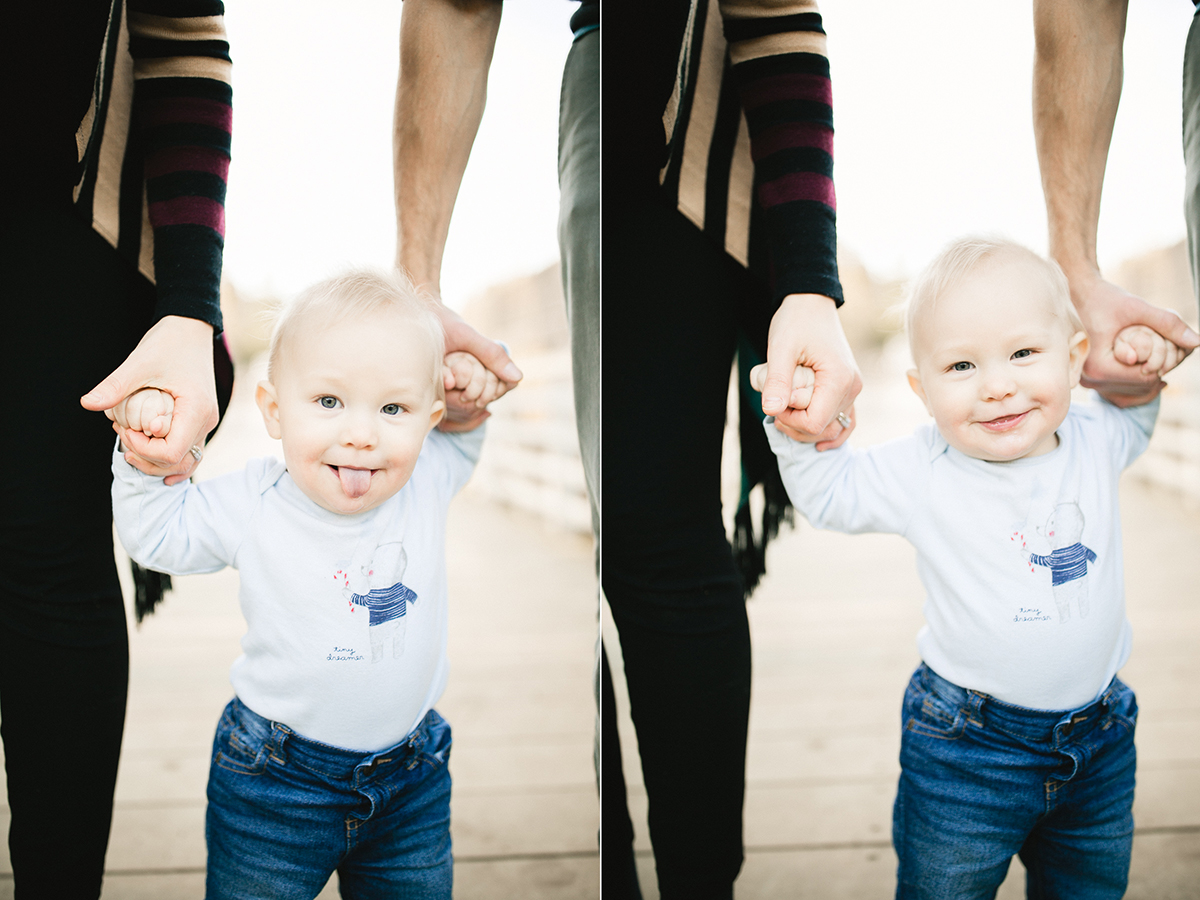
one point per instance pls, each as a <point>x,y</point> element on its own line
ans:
<point>1133,344</point>
<point>470,387</point>
<point>1141,346</point>
<point>806,332</point>
<point>462,337</point>
<point>148,411</point>
<point>175,356</point>
<point>803,381</point>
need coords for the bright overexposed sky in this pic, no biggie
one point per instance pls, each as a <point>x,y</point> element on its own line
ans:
<point>931,106</point>
<point>934,133</point>
<point>310,184</point>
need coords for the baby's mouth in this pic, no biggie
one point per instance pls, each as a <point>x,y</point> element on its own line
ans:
<point>355,482</point>
<point>1004,423</point>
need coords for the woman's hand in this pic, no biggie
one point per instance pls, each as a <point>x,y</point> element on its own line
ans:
<point>175,356</point>
<point>806,332</point>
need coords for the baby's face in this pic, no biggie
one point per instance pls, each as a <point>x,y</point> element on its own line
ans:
<point>995,365</point>
<point>352,402</point>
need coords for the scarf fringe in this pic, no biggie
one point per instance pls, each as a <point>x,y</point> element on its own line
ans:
<point>749,553</point>
<point>149,587</point>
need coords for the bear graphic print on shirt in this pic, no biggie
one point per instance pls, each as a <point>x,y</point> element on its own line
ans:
<point>376,588</point>
<point>1068,560</point>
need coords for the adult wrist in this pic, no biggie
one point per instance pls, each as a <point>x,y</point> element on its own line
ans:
<point>1082,275</point>
<point>201,326</point>
<point>810,302</point>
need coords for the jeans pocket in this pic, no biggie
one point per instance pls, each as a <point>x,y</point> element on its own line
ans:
<point>235,749</point>
<point>436,749</point>
<point>1122,708</point>
<point>930,714</point>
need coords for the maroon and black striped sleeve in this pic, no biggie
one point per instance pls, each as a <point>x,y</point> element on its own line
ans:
<point>182,119</point>
<point>781,71</point>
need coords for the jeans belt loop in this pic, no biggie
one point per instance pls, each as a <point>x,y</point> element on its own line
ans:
<point>975,707</point>
<point>279,735</point>
<point>1106,698</point>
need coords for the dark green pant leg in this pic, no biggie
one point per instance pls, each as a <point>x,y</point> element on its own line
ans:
<point>579,243</point>
<point>1191,147</point>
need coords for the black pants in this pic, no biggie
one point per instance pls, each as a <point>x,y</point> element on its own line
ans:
<point>670,328</point>
<point>73,311</point>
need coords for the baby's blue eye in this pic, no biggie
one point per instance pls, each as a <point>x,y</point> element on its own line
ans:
<point>1021,354</point>
<point>962,367</point>
<point>392,409</point>
<point>329,402</point>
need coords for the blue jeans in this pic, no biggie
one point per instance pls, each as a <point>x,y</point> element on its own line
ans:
<point>982,780</point>
<point>285,812</point>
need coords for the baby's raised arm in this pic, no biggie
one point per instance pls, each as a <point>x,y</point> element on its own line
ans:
<point>148,411</point>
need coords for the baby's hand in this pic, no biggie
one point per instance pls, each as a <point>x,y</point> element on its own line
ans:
<point>148,411</point>
<point>803,381</point>
<point>1140,345</point>
<point>470,387</point>
<point>470,382</point>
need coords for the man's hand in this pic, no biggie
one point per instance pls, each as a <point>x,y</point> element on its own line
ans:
<point>175,356</point>
<point>462,337</point>
<point>1116,366</point>
<point>469,389</point>
<point>806,332</point>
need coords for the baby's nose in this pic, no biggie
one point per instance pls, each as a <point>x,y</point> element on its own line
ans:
<point>998,384</point>
<point>358,431</point>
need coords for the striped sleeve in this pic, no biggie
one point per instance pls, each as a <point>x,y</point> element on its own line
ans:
<point>781,72</point>
<point>182,116</point>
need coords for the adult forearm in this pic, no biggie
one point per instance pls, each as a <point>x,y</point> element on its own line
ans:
<point>1076,90</point>
<point>445,52</point>
<point>781,71</point>
<point>182,107</point>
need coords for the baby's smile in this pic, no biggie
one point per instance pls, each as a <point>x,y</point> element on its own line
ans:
<point>1004,423</point>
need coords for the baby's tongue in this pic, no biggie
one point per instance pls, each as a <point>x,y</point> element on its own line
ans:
<point>355,482</point>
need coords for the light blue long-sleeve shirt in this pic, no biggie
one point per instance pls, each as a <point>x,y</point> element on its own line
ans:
<point>308,659</point>
<point>995,619</point>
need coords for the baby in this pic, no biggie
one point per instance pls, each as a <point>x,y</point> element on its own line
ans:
<point>330,756</point>
<point>1018,736</point>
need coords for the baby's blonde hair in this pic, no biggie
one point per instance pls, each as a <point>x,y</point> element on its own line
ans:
<point>962,257</point>
<point>361,293</point>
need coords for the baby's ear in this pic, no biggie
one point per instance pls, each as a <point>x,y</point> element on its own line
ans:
<point>436,412</point>
<point>914,382</point>
<point>268,403</point>
<point>1078,348</point>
